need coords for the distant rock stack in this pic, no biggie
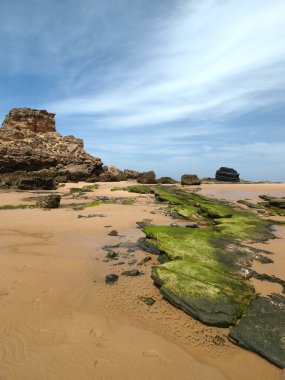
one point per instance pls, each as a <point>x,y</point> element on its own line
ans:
<point>227,175</point>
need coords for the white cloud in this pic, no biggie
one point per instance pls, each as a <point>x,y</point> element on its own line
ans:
<point>208,60</point>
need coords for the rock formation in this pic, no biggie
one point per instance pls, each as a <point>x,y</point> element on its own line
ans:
<point>146,177</point>
<point>227,175</point>
<point>33,120</point>
<point>31,148</point>
<point>190,179</point>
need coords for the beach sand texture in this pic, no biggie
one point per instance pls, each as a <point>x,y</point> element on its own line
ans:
<point>60,321</point>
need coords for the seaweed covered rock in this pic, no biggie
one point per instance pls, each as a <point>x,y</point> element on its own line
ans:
<point>275,206</point>
<point>262,329</point>
<point>50,201</point>
<point>206,292</point>
<point>227,175</point>
<point>190,179</point>
<point>146,177</point>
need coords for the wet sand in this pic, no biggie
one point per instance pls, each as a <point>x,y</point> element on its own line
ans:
<point>59,320</point>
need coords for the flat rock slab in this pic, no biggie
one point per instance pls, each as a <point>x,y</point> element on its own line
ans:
<point>205,291</point>
<point>262,330</point>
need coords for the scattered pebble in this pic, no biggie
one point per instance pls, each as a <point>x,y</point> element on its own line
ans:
<point>111,278</point>
<point>147,300</point>
<point>113,233</point>
<point>131,273</point>
<point>111,255</point>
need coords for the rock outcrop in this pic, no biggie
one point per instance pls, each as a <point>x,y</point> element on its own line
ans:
<point>190,179</point>
<point>30,148</point>
<point>227,175</point>
<point>146,177</point>
<point>166,180</point>
<point>39,121</point>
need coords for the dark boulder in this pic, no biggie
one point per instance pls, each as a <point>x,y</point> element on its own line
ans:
<point>190,179</point>
<point>111,278</point>
<point>36,183</point>
<point>146,177</point>
<point>131,273</point>
<point>227,175</point>
<point>262,329</point>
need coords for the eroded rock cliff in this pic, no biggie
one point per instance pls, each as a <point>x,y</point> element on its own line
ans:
<point>30,146</point>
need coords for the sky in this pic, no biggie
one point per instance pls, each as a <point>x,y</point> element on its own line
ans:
<point>175,86</point>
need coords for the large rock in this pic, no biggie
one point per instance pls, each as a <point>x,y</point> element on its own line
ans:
<point>262,329</point>
<point>190,179</point>
<point>227,175</point>
<point>146,177</point>
<point>36,183</point>
<point>30,146</point>
<point>130,174</point>
<point>166,180</point>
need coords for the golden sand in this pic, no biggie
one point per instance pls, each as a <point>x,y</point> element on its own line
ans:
<point>60,321</point>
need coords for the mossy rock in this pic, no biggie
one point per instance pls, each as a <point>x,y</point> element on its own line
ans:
<point>245,226</point>
<point>262,329</point>
<point>207,293</point>
<point>203,244</point>
<point>50,201</point>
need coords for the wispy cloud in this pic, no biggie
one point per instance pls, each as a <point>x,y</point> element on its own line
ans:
<point>208,59</point>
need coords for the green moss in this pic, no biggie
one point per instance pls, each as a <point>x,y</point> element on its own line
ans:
<point>188,212</point>
<point>206,292</point>
<point>14,207</point>
<point>84,189</point>
<point>94,203</point>
<point>182,243</point>
<point>140,189</point>
<point>216,210</point>
<point>127,202</point>
<point>245,227</point>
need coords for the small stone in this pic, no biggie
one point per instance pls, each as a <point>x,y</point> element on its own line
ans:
<point>218,340</point>
<point>113,233</point>
<point>111,255</point>
<point>131,273</point>
<point>149,301</point>
<point>261,211</point>
<point>192,225</point>
<point>111,278</point>
<point>174,225</point>
<point>146,259</point>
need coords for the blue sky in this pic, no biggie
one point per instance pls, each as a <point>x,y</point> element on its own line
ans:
<point>171,85</point>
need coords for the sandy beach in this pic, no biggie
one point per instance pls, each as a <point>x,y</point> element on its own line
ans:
<point>60,321</point>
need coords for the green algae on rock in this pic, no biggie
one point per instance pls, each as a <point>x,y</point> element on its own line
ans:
<point>262,329</point>
<point>140,189</point>
<point>206,292</point>
<point>50,201</point>
<point>245,226</point>
<point>204,271</point>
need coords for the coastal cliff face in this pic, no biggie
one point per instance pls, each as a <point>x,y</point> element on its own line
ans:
<point>30,146</point>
